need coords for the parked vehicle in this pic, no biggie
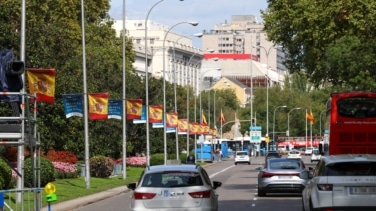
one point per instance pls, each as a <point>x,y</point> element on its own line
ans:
<point>342,182</point>
<point>272,154</point>
<point>242,157</point>
<point>282,175</point>
<point>166,187</point>
<point>294,154</point>
<point>308,151</point>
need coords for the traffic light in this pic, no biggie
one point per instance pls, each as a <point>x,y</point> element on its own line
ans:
<point>11,70</point>
<point>253,122</point>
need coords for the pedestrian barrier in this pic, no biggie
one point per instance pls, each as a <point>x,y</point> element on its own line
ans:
<point>27,199</point>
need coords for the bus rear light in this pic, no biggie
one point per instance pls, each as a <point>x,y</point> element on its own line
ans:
<point>200,194</point>
<point>325,187</point>
<point>143,196</point>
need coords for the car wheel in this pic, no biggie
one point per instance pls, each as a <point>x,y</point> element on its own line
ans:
<point>249,163</point>
<point>261,193</point>
<point>311,161</point>
<point>236,163</point>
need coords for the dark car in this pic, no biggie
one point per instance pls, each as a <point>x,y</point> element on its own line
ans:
<point>272,154</point>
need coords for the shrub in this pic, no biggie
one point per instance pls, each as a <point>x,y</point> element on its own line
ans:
<point>65,170</point>
<point>61,156</point>
<point>5,175</point>
<point>101,166</point>
<point>47,172</point>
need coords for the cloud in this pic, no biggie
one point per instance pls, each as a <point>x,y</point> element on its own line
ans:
<point>169,12</point>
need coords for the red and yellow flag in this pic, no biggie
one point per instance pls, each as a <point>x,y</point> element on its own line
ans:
<point>155,113</point>
<point>98,106</point>
<point>204,122</point>
<point>134,109</point>
<point>42,83</point>
<point>213,132</point>
<point>310,117</point>
<point>222,118</point>
<point>206,129</point>
<point>194,128</point>
<point>172,119</point>
<point>182,125</point>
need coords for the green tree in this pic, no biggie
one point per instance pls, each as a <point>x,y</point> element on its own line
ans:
<point>331,41</point>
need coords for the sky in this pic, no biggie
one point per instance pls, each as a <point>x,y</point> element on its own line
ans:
<point>170,12</point>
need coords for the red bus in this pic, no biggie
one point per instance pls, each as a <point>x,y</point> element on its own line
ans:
<point>351,124</point>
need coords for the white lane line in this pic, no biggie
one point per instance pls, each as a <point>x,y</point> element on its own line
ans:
<point>213,175</point>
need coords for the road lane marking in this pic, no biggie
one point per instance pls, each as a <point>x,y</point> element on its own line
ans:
<point>214,174</point>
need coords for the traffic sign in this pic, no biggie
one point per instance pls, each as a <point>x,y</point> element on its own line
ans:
<point>255,128</point>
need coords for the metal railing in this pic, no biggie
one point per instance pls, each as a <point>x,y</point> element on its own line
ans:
<point>32,199</point>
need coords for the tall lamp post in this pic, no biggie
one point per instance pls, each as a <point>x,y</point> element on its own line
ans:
<point>164,87</point>
<point>199,35</point>
<point>200,79</point>
<point>267,84</point>
<point>288,120</point>
<point>274,122</point>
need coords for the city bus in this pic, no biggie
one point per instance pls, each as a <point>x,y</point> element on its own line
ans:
<point>350,124</point>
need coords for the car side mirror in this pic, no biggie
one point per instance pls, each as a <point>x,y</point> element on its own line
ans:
<point>216,184</point>
<point>132,186</point>
<point>304,175</point>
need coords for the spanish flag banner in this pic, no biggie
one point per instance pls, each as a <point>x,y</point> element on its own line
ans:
<point>201,129</point>
<point>98,106</point>
<point>155,113</point>
<point>182,126</point>
<point>206,129</point>
<point>222,118</point>
<point>134,109</point>
<point>172,119</point>
<point>42,84</point>
<point>204,122</point>
<point>194,128</point>
<point>213,132</point>
<point>310,117</point>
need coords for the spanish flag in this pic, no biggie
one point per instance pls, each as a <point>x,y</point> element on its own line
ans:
<point>172,119</point>
<point>310,117</point>
<point>204,122</point>
<point>155,113</point>
<point>134,109</point>
<point>222,118</point>
<point>98,106</point>
<point>42,83</point>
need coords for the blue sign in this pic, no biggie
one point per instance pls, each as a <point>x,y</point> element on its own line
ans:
<point>255,128</point>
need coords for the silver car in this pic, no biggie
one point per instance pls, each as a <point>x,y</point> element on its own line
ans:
<point>282,175</point>
<point>342,182</point>
<point>174,188</point>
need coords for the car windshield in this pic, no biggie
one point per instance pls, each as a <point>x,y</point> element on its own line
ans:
<point>316,152</point>
<point>284,164</point>
<point>294,152</point>
<point>351,169</point>
<point>172,179</point>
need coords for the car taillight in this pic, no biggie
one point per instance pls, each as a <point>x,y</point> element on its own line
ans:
<point>142,196</point>
<point>200,194</point>
<point>269,174</point>
<point>325,187</point>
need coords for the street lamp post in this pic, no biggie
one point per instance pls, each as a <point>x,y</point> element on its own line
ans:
<point>200,79</point>
<point>199,35</point>
<point>274,123</point>
<point>288,120</point>
<point>267,85</point>
<point>164,87</point>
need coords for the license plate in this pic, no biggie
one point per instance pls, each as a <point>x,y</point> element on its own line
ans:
<point>362,190</point>
<point>284,177</point>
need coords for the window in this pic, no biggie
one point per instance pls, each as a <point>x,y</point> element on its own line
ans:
<point>172,179</point>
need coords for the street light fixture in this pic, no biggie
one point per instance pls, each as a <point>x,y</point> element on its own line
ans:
<point>164,87</point>
<point>288,120</point>
<point>267,83</point>
<point>274,124</point>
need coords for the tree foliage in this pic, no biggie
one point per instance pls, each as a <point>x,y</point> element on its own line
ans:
<point>332,41</point>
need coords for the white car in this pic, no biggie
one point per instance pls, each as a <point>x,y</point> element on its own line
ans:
<point>342,182</point>
<point>316,156</point>
<point>242,157</point>
<point>174,187</point>
<point>294,154</point>
<point>308,151</point>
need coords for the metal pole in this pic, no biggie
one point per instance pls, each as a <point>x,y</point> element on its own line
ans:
<point>124,102</point>
<point>147,86</point>
<point>274,121</point>
<point>288,119</point>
